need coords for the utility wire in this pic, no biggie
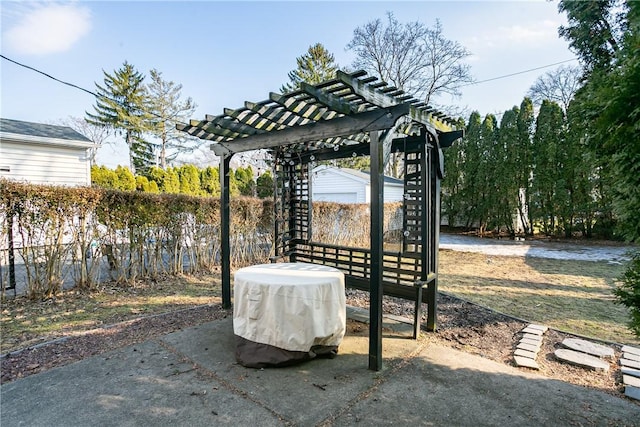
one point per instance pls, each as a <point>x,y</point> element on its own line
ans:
<point>98,96</point>
<point>519,72</point>
<point>83,89</point>
<point>49,76</point>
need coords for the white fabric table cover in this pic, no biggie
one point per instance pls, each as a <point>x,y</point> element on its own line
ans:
<point>292,306</point>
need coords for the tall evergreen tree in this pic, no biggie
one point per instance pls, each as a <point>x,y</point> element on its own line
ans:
<point>453,183</point>
<point>315,66</point>
<point>594,31</point>
<point>474,169</point>
<point>486,176</point>
<point>168,108</point>
<point>505,199</point>
<point>121,105</point>
<point>606,36</point>
<point>524,163</point>
<point>547,140</point>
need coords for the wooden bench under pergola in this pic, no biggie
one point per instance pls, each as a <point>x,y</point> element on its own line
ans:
<point>350,115</point>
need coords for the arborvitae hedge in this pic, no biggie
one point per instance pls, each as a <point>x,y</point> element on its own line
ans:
<point>186,179</point>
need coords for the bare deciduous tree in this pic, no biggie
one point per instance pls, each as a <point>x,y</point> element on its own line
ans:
<point>167,109</point>
<point>411,56</point>
<point>97,134</point>
<point>559,85</point>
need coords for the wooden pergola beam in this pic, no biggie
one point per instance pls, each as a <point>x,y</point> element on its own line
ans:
<point>367,121</point>
<point>381,99</point>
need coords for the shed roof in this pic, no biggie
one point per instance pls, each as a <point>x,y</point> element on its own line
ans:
<point>32,129</point>
<point>331,114</point>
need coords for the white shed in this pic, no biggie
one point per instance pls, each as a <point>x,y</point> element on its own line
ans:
<point>44,154</point>
<point>342,185</point>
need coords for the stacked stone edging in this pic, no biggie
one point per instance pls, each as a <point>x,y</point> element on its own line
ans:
<point>529,345</point>
<point>630,367</point>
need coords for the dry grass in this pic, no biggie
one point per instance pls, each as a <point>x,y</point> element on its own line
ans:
<point>571,296</point>
<point>24,322</point>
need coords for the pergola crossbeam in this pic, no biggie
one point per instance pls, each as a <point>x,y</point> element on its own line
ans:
<point>316,131</point>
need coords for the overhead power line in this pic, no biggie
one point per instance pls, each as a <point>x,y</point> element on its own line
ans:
<point>82,89</point>
<point>49,76</point>
<point>98,96</point>
<point>520,72</point>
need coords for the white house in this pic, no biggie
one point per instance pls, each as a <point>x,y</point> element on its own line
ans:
<point>342,185</point>
<point>44,154</point>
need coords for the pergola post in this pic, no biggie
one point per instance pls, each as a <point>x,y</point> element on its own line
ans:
<point>433,158</point>
<point>375,281</point>
<point>225,227</point>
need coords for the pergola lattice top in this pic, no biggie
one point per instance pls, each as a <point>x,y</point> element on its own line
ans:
<point>351,114</point>
<point>354,104</point>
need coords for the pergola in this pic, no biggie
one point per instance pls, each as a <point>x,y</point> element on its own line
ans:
<point>350,115</point>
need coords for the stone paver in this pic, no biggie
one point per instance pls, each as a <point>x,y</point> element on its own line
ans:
<point>630,363</point>
<point>632,392</point>
<point>526,362</point>
<point>630,371</point>
<point>537,343</point>
<point>525,353</point>
<point>588,347</point>
<point>631,356</point>
<point>581,359</point>
<point>629,349</point>
<point>528,347</point>
<point>629,380</point>
<point>538,327</point>
<point>530,330</point>
<point>532,337</point>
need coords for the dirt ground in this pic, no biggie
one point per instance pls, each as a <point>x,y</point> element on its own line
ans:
<point>461,325</point>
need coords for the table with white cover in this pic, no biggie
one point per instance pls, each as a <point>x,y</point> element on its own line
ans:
<point>287,312</point>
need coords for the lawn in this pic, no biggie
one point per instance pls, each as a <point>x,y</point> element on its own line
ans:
<point>572,296</point>
<point>24,322</point>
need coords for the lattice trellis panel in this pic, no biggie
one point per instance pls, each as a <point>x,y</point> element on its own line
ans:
<point>292,204</point>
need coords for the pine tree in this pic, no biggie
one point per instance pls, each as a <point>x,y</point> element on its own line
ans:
<point>315,66</point>
<point>121,106</point>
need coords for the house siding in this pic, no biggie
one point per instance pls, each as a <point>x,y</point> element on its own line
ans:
<point>331,185</point>
<point>44,163</point>
<point>335,185</point>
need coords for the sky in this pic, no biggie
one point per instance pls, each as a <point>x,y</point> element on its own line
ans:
<point>225,53</point>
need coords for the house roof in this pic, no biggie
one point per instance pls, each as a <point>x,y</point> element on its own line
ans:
<point>42,133</point>
<point>364,176</point>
